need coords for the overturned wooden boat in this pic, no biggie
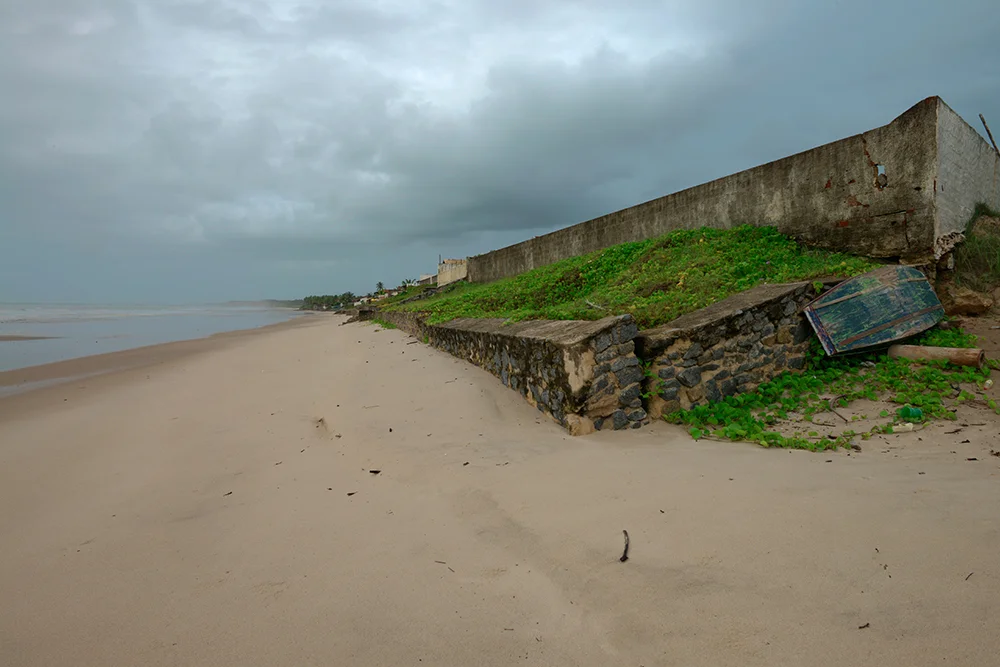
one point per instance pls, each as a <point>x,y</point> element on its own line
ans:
<point>880,307</point>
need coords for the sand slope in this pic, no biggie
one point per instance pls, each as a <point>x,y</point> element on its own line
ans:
<point>195,513</point>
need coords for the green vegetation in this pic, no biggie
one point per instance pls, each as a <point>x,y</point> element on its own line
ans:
<point>977,259</point>
<point>411,289</point>
<point>655,280</point>
<point>328,301</point>
<point>382,323</point>
<point>933,387</point>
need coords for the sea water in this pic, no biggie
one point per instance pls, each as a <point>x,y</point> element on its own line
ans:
<point>70,331</point>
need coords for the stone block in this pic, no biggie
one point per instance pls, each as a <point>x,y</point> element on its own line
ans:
<point>626,331</point>
<point>659,407</point>
<point>690,377</point>
<point>629,375</point>
<point>637,415</point>
<point>669,393</point>
<point>712,393</point>
<point>694,351</point>
<point>622,363</point>
<point>607,355</point>
<point>667,373</point>
<point>619,419</point>
<point>601,405</point>
<point>797,362</point>
<point>630,393</point>
<point>602,342</point>
<point>695,393</point>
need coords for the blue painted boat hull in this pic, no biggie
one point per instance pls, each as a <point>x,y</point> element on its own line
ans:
<point>874,309</point>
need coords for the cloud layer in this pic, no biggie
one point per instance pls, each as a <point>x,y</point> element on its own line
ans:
<point>189,150</point>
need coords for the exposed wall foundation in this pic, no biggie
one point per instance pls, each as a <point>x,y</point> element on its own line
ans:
<point>606,374</point>
<point>728,348</point>
<point>584,375</point>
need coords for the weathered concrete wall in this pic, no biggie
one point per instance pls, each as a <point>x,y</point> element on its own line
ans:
<point>873,194</point>
<point>968,172</point>
<point>584,375</point>
<point>452,270</point>
<point>727,348</point>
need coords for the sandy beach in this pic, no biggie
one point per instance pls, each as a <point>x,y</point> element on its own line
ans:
<point>216,502</point>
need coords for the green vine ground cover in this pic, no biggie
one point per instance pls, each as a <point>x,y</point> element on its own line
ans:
<point>656,280</point>
<point>936,388</point>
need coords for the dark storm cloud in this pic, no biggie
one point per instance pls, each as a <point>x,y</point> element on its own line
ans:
<point>239,137</point>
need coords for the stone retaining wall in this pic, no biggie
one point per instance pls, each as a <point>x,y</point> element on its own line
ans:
<point>608,375</point>
<point>585,375</point>
<point>727,348</point>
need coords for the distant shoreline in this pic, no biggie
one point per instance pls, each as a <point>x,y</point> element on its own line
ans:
<point>20,381</point>
<point>14,339</point>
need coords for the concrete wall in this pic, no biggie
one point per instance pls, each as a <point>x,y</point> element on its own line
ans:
<point>727,348</point>
<point>968,172</point>
<point>888,193</point>
<point>584,375</point>
<point>452,270</point>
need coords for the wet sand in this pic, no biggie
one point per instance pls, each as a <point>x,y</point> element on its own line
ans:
<point>29,378</point>
<point>215,506</point>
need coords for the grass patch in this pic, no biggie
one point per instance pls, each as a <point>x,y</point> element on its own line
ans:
<point>382,323</point>
<point>411,291</point>
<point>933,387</point>
<point>977,259</point>
<point>656,280</point>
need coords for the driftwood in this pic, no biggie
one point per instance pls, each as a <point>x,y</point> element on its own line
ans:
<point>959,356</point>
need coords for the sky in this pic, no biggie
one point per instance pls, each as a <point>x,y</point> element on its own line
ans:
<point>178,151</point>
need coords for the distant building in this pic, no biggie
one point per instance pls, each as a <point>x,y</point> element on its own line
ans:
<point>452,270</point>
<point>428,279</point>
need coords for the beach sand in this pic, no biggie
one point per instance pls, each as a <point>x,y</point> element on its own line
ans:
<point>197,509</point>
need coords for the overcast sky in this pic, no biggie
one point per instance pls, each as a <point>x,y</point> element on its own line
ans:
<point>207,150</point>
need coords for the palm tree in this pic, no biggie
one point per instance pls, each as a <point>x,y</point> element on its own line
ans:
<point>379,287</point>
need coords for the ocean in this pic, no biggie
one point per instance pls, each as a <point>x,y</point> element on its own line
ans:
<point>69,331</point>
